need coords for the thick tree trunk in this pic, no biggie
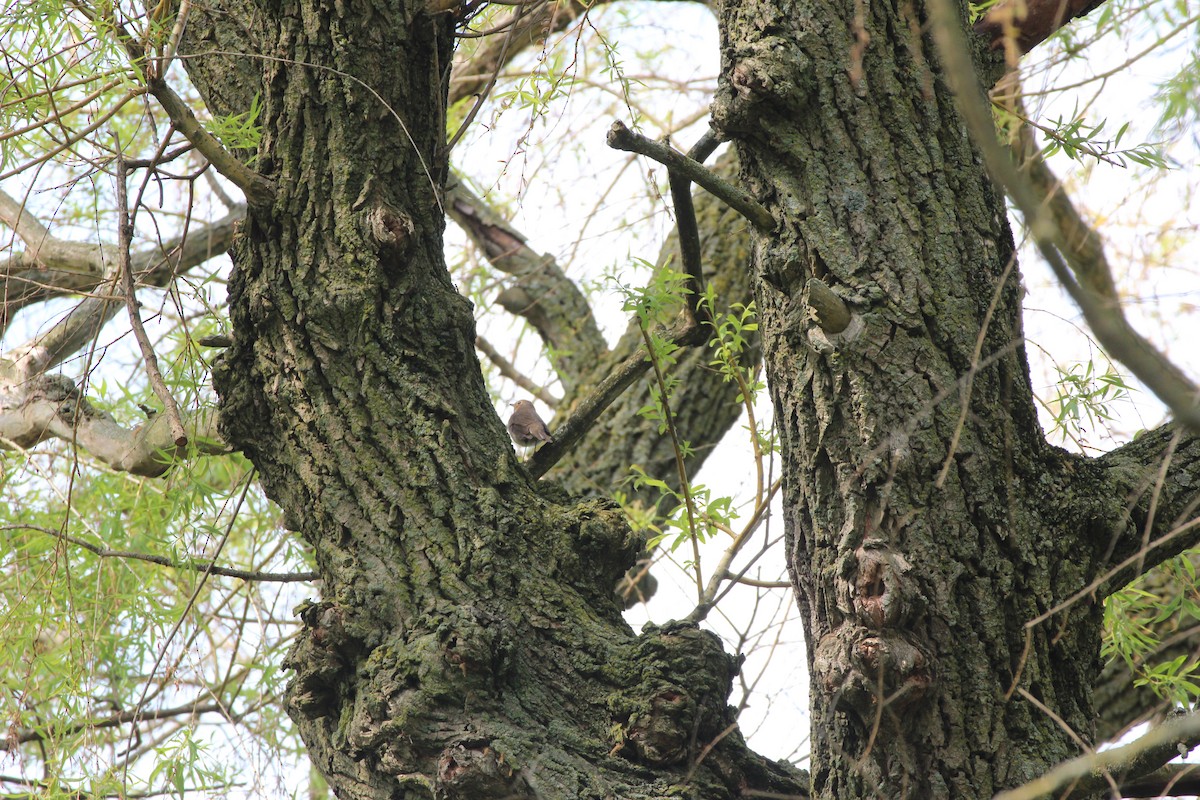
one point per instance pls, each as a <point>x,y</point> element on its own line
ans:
<point>467,644</point>
<point>230,82</point>
<point>927,521</point>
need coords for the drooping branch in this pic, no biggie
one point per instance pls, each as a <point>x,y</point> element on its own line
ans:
<point>196,564</point>
<point>521,29</point>
<point>1122,700</point>
<point>1103,314</point>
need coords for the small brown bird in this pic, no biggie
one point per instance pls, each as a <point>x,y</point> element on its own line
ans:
<point>526,427</point>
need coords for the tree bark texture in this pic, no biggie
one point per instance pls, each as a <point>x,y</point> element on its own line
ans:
<point>467,643</point>
<point>229,81</point>
<point>927,521</point>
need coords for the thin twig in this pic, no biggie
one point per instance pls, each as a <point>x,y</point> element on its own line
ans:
<point>757,584</point>
<point>483,95</point>
<point>139,708</point>
<point>969,378</point>
<point>193,564</point>
<point>181,16</point>
<point>124,238</point>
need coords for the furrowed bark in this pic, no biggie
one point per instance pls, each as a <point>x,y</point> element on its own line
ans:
<point>466,643</point>
<point>927,520</point>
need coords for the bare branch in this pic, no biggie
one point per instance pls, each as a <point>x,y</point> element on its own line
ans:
<point>589,409</point>
<point>156,265</point>
<point>508,370</point>
<point>51,406</point>
<point>621,138</point>
<point>25,225</point>
<point>1020,26</point>
<point>689,232</point>
<point>542,293</point>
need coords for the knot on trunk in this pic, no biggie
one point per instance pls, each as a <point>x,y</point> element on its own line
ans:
<point>762,79</point>
<point>876,591</point>
<point>319,657</point>
<point>390,228</point>
<point>676,706</point>
<point>864,669</point>
<point>473,770</point>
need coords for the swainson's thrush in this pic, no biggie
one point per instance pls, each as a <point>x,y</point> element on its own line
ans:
<point>526,427</point>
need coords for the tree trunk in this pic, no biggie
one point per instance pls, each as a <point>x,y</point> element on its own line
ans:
<point>926,520</point>
<point>467,644</point>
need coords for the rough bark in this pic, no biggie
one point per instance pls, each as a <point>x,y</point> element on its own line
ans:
<point>927,521</point>
<point>467,643</point>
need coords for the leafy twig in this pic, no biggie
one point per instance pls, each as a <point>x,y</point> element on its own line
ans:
<point>1103,314</point>
<point>685,487</point>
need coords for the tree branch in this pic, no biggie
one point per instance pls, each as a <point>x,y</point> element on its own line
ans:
<point>1103,314</point>
<point>1018,26</point>
<point>1154,477</point>
<point>199,564</point>
<point>25,225</point>
<point>51,406</point>
<point>258,190</point>
<point>621,138</point>
<point>149,357</point>
<point>157,265</point>
<point>542,293</point>
<point>1088,774</point>
<point>689,232</point>
<point>588,410</point>
<point>61,731</point>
